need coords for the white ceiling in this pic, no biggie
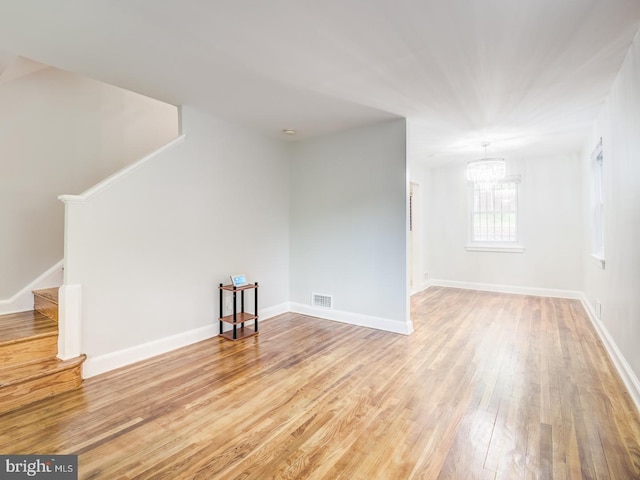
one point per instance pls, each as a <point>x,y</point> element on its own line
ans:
<point>527,75</point>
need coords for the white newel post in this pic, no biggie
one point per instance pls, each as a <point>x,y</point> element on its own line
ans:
<point>70,293</point>
<point>69,326</point>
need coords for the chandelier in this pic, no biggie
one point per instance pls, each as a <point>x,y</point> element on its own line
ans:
<point>486,170</point>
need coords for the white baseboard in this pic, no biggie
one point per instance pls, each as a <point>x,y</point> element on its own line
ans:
<point>622,366</point>
<point>104,363</point>
<point>23,300</point>
<point>490,287</point>
<point>354,318</point>
<point>110,361</point>
<point>274,311</point>
<point>421,288</point>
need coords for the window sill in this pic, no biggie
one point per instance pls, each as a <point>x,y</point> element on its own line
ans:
<point>495,248</point>
<point>598,260</point>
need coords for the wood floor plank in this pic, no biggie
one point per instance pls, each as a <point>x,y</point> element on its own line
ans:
<point>489,386</point>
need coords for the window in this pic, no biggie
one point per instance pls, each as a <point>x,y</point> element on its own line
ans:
<point>494,212</point>
<point>597,204</point>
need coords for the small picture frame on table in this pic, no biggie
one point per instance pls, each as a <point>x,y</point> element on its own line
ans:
<point>239,280</point>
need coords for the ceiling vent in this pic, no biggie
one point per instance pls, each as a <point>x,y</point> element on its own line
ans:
<point>319,300</point>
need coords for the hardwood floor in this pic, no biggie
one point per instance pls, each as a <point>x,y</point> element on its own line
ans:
<point>490,386</point>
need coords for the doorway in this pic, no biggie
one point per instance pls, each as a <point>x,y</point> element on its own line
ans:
<point>415,257</point>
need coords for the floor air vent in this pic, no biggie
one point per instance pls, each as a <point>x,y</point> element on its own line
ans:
<point>324,301</point>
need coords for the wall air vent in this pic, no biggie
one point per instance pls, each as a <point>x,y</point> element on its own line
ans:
<point>319,300</point>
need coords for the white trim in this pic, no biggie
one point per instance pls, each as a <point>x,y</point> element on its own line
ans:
<point>598,260</point>
<point>23,300</point>
<point>495,248</point>
<point>121,358</point>
<point>274,311</point>
<point>490,287</point>
<point>378,323</point>
<point>622,366</point>
<point>110,361</point>
<point>125,172</point>
<point>423,286</point>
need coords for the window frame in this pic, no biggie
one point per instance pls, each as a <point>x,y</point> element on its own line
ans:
<point>597,205</point>
<point>506,246</point>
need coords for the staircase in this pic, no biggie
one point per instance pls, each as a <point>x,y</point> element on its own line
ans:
<point>29,368</point>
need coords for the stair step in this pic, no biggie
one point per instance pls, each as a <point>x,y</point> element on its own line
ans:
<point>17,326</point>
<point>48,293</point>
<point>26,337</point>
<point>29,369</point>
<point>24,384</point>
<point>45,301</point>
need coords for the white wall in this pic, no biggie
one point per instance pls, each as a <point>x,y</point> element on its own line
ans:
<point>61,133</point>
<point>150,250</point>
<point>617,287</point>
<point>349,224</point>
<point>550,228</point>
